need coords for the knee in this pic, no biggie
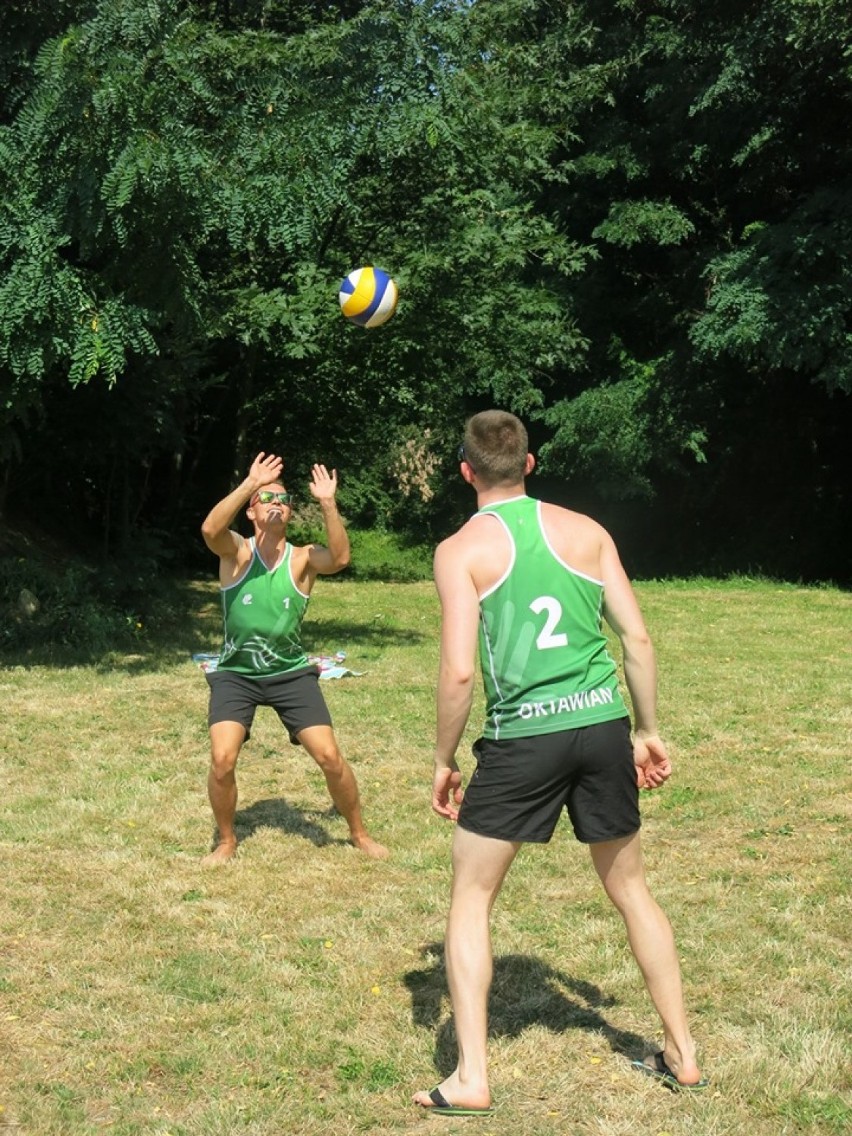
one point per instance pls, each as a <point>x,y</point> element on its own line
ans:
<point>628,896</point>
<point>223,762</point>
<point>329,758</point>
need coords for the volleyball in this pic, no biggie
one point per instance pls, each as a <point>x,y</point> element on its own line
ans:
<point>368,296</point>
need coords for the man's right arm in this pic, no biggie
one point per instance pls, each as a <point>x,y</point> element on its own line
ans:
<point>216,530</point>
<point>456,673</point>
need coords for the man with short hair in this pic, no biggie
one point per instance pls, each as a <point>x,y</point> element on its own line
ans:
<point>265,584</point>
<point>530,581</point>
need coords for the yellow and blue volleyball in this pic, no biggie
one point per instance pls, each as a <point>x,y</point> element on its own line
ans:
<point>368,297</point>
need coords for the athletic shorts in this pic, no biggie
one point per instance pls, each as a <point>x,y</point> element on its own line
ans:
<point>295,697</point>
<point>521,785</point>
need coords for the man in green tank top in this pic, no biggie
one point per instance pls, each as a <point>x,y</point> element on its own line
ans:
<point>265,584</point>
<point>529,584</point>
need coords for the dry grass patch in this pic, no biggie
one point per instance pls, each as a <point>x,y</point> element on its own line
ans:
<point>301,988</point>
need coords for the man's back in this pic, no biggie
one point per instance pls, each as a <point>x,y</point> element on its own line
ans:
<point>486,550</point>
<point>544,657</point>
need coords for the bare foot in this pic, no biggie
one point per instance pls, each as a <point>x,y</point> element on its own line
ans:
<point>677,1075</point>
<point>220,854</point>
<point>681,1063</point>
<point>370,847</point>
<point>452,1100</point>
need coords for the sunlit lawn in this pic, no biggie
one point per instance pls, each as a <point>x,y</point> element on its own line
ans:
<point>301,990</point>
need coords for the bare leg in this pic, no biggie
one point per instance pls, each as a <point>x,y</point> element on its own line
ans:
<point>480,865</point>
<point>226,739</point>
<point>321,744</point>
<point>619,865</point>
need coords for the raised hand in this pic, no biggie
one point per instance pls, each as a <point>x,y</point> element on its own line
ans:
<point>323,484</point>
<point>265,469</point>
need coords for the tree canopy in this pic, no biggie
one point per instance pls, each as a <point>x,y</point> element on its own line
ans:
<point>629,222</point>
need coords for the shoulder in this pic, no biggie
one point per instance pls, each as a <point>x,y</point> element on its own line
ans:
<point>561,515</point>
<point>299,554</point>
<point>233,563</point>
<point>226,544</point>
<point>476,556</point>
<point>479,529</point>
<point>577,539</point>
<point>243,550</point>
<point>577,525</point>
<point>306,563</point>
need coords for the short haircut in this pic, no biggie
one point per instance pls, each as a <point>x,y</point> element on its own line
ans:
<point>496,446</point>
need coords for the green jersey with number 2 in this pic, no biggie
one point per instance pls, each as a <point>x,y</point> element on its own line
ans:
<point>545,663</point>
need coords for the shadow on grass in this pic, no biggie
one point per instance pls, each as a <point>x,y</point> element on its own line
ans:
<point>188,623</point>
<point>181,613</point>
<point>348,634</point>
<point>524,992</point>
<point>275,812</point>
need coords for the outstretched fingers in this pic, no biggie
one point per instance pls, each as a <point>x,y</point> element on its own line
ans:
<point>323,483</point>
<point>266,468</point>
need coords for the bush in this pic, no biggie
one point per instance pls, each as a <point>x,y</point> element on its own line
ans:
<point>41,606</point>
<point>389,557</point>
<point>376,554</point>
<point>79,607</point>
<point>75,607</point>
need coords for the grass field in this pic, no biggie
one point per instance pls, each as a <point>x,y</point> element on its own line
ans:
<point>300,990</point>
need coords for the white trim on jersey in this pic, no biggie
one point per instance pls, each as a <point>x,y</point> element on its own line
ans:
<point>507,573</point>
<point>555,554</point>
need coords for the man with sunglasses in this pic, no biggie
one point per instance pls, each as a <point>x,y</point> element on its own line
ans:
<point>265,585</point>
<point>529,582</point>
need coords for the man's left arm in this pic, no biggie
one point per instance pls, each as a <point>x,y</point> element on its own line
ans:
<point>326,560</point>
<point>621,611</point>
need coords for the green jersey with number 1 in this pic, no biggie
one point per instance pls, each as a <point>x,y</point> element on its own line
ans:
<point>545,663</point>
<point>263,614</point>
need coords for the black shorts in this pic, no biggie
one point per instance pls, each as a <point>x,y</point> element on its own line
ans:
<point>521,784</point>
<point>295,697</point>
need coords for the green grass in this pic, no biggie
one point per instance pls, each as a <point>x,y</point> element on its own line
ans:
<point>301,989</point>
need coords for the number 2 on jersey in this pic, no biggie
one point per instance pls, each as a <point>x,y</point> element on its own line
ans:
<point>549,636</point>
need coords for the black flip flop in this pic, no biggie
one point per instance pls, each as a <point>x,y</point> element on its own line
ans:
<point>442,1107</point>
<point>660,1071</point>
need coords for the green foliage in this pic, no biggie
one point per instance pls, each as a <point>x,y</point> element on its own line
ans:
<point>388,557</point>
<point>26,26</point>
<point>377,554</point>
<point>173,191</point>
<point>602,437</point>
<point>780,301</point>
<point>628,222</point>
<point>632,222</point>
<point>65,610</point>
<point>613,439</point>
<point>82,611</point>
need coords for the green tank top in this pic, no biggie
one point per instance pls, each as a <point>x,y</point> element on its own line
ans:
<point>545,663</point>
<point>263,614</point>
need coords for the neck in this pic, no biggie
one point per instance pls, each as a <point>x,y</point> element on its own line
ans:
<point>270,545</point>
<point>487,496</point>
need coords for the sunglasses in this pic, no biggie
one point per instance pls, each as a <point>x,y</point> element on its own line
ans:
<point>462,457</point>
<point>267,496</point>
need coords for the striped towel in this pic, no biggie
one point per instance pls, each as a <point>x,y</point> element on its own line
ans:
<point>330,666</point>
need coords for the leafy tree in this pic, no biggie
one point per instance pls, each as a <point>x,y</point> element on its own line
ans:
<point>627,221</point>
<point>182,197</point>
<point>25,27</point>
<point>711,181</point>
